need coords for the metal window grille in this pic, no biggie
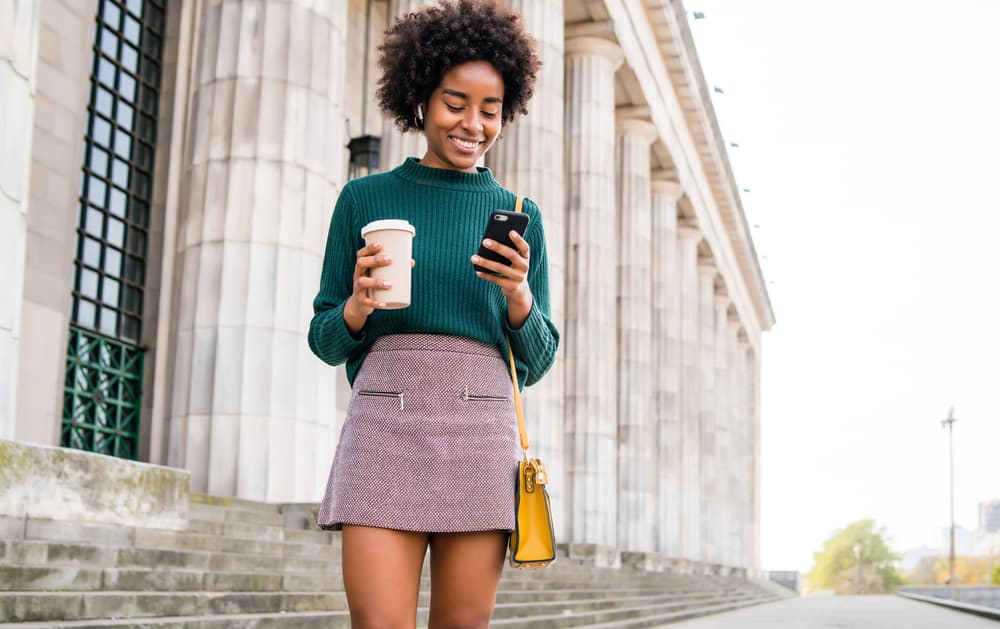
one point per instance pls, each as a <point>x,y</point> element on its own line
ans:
<point>104,358</point>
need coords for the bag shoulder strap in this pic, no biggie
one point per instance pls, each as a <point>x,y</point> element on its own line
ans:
<point>522,431</point>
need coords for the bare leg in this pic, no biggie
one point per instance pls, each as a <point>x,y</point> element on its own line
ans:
<point>382,576</point>
<point>465,573</point>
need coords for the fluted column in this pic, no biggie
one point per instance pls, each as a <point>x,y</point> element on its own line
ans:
<point>19,21</point>
<point>722,511</point>
<point>707,458</point>
<point>591,356</point>
<point>666,327</point>
<point>396,145</point>
<point>734,483</point>
<point>753,417</point>
<point>528,159</point>
<point>252,413</point>
<point>690,392</point>
<point>636,445</point>
<point>743,452</point>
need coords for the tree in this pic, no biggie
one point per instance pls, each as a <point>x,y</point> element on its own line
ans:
<point>996,576</point>
<point>968,570</point>
<point>836,565</point>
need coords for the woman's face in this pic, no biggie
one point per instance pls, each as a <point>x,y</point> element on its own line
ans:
<point>462,116</point>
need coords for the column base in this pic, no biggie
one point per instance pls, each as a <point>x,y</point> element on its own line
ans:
<point>597,555</point>
<point>644,561</point>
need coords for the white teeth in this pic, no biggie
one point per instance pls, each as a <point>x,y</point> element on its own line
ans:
<point>466,143</point>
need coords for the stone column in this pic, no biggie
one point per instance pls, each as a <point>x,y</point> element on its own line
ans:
<point>690,392</point>
<point>62,91</point>
<point>529,160</point>
<point>18,60</point>
<point>743,455</point>
<point>753,417</point>
<point>396,145</point>
<point>733,470</point>
<point>252,411</point>
<point>590,344</point>
<point>666,342</point>
<point>636,445</point>
<point>722,513</point>
<point>707,459</point>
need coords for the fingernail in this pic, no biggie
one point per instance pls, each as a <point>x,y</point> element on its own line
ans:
<point>387,258</point>
<point>475,258</point>
<point>488,242</point>
<point>387,284</point>
<point>381,304</point>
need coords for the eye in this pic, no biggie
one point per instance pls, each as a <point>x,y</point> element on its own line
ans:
<point>453,108</point>
<point>491,114</point>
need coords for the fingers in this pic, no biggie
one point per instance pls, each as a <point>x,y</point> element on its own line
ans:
<point>369,257</point>
<point>519,257</point>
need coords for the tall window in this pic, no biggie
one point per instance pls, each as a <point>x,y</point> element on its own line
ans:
<point>102,401</point>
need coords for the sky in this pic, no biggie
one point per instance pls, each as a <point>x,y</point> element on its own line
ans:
<point>869,138</point>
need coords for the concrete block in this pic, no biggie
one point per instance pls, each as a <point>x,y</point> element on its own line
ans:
<point>67,531</point>
<point>139,579</point>
<point>49,483</point>
<point>180,540</point>
<point>252,582</point>
<point>30,578</point>
<point>163,558</point>
<point>41,606</point>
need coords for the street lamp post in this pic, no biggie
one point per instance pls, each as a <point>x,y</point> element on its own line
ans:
<point>949,422</point>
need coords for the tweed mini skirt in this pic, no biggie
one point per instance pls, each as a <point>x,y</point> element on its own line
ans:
<point>429,442</point>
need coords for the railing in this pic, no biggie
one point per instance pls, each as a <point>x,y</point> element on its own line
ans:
<point>982,600</point>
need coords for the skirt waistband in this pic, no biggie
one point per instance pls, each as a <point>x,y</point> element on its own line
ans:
<point>433,342</point>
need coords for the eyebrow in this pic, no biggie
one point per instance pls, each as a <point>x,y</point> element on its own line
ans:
<point>457,94</point>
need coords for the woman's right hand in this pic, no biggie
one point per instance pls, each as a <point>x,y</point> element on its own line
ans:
<point>361,303</point>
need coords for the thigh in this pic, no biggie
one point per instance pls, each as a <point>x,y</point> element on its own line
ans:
<point>382,576</point>
<point>465,572</point>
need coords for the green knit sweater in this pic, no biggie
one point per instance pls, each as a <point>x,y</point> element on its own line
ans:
<point>449,210</point>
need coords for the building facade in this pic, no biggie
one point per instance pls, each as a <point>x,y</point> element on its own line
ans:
<point>169,171</point>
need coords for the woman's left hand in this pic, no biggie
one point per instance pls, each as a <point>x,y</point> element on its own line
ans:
<point>513,281</point>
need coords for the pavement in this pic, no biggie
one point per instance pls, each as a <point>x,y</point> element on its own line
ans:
<point>841,612</point>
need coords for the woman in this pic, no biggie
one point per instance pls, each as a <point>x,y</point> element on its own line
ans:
<point>426,457</point>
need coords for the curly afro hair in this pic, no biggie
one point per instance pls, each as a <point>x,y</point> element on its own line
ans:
<point>422,46</point>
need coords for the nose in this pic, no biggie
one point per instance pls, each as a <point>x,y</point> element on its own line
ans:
<point>472,120</point>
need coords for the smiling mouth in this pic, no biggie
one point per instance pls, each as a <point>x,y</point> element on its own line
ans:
<point>466,144</point>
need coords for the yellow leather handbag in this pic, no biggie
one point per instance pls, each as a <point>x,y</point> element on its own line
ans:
<point>533,540</point>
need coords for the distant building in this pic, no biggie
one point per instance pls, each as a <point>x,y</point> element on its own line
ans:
<point>989,516</point>
<point>965,540</point>
<point>912,558</point>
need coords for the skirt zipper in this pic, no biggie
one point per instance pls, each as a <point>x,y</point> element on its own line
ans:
<point>391,394</point>
<point>481,398</point>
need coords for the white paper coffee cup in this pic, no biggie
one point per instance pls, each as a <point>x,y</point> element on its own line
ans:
<point>396,237</point>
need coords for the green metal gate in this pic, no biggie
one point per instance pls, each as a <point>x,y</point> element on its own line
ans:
<point>104,361</point>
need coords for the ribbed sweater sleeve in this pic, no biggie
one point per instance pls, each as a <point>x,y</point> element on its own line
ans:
<point>329,337</point>
<point>536,341</point>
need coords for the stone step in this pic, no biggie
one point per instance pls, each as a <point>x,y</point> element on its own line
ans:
<point>212,513</point>
<point>314,559</point>
<point>234,503</point>
<point>629,617</point>
<point>38,606</point>
<point>663,620</point>
<point>61,606</point>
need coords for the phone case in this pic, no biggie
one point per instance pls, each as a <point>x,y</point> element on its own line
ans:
<point>498,229</point>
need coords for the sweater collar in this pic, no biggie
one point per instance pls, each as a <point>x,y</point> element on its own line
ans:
<point>412,170</point>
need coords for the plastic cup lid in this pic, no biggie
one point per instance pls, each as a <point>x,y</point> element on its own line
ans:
<point>388,224</point>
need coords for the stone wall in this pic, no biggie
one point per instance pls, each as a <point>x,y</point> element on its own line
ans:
<point>45,482</point>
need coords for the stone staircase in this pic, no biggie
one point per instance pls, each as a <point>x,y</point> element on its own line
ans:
<point>253,565</point>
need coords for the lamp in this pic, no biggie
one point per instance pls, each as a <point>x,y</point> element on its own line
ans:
<point>364,155</point>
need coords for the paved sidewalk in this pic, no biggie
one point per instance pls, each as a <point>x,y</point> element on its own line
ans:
<point>841,612</point>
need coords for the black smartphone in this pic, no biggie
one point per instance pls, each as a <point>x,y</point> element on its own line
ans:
<point>498,230</point>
